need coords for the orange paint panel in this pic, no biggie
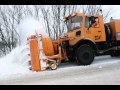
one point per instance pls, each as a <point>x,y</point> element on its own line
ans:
<point>34,51</point>
<point>55,46</point>
<point>115,25</point>
<point>47,46</point>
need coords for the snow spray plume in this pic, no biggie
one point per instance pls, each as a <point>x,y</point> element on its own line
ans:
<point>17,61</point>
<point>29,26</point>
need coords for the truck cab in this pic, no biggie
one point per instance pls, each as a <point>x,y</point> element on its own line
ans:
<point>86,35</point>
<point>82,27</point>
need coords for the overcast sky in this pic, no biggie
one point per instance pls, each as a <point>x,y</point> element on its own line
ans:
<point>115,10</point>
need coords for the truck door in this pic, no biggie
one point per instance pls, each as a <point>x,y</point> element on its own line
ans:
<point>92,29</point>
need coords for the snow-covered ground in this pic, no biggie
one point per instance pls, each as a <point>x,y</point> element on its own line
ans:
<point>102,67</point>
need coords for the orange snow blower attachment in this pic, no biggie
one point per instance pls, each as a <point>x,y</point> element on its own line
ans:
<point>42,53</point>
<point>47,46</point>
<point>34,55</point>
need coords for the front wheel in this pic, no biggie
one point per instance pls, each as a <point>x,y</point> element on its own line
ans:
<point>85,55</point>
<point>53,67</point>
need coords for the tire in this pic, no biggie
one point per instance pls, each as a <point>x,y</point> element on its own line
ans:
<point>53,67</point>
<point>85,55</point>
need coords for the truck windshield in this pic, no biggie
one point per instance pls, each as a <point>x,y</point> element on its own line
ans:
<point>74,23</point>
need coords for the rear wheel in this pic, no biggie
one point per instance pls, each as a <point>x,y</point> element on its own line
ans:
<point>84,55</point>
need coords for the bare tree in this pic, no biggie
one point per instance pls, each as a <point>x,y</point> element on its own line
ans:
<point>10,16</point>
<point>53,18</point>
<point>94,9</point>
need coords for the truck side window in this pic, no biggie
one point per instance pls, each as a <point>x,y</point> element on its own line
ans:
<point>96,24</point>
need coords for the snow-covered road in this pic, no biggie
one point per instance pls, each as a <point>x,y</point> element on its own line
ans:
<point>104,70</point>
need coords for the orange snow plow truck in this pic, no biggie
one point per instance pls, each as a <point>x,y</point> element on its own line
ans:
<point>88,36</point>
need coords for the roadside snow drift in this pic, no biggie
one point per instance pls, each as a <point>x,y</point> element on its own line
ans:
<point>14,63</point>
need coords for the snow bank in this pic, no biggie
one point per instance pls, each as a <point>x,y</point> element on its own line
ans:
<point>14,63</point>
